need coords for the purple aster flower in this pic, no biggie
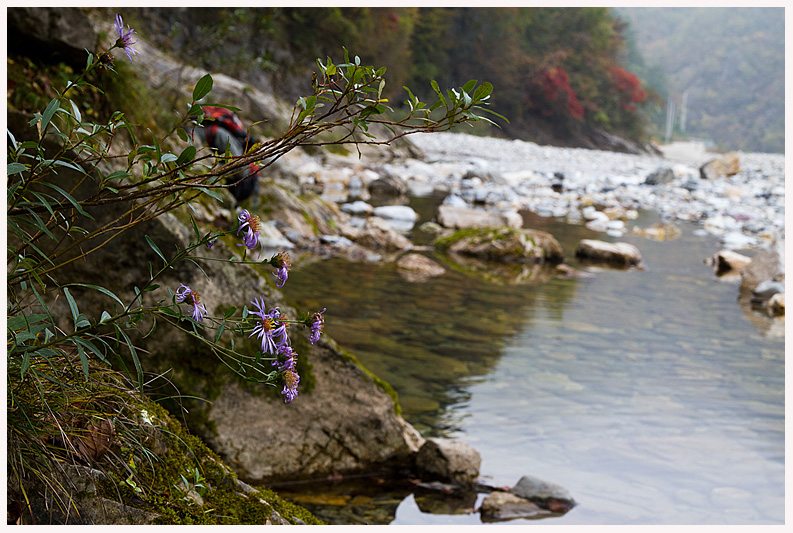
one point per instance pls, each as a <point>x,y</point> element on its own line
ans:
<point>289,371</point>
<point>189,296</point>
<point>210,242</point>
<point>253,225</point>
<point>317,323</point>
<point>281,263</point>
<point>125,40</point>
<point>271,329</point>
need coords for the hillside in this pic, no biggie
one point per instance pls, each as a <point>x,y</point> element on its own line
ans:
<point>730,62</point>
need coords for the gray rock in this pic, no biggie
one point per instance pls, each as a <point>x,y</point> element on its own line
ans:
<point>767,264</point>
<point>454,201</point>
<point>467,217</point>
<point>549,495</point>
<point>388,187</point>
<point>660,177</point>
<point>767,289</point>
<point>500,506</point>
<point>335,240</point>
<point>618,253</point>
<point>357,208</point>
<point>396,212</point>
<point>58,33</point>
<point>448,460</point>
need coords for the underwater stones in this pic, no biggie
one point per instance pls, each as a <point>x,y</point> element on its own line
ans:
<point>448,460</point>
<point>500,506</point>
<point>549,495</point>
<point>618,253</point>
<point>660,231</point>
<point>418,268</point>
<point>504,244</point>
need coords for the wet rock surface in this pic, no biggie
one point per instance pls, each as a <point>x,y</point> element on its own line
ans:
<point>448,460</point>
<point>621,254</point>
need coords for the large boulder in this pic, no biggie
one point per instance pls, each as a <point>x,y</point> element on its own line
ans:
<point>55,33</point>
<point>620,254</point>
<point>504,244</point>
<point>346,424</point>
<point>726,165</point>
<point>457,217</point>
<point>448,460</point>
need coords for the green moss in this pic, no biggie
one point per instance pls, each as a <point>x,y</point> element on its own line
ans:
<point>444,243</point>
<point>222,502</point>
<point>311,222</point>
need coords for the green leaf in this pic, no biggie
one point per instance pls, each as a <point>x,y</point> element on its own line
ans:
<point>220,330</point>
<point>202,88</point>
<point>469,85</point>
<point>19,322</point>
<point>49,111</point>
<point>105,317</point>
<point>154,247</point>
<point>187,155</point>
<point>483,91</point>
<point>83,360</point>
<point>229,312</point>
<point>72,306</point>
<point>68,197</point>
<point>182,134</point>
<point>15,168</point>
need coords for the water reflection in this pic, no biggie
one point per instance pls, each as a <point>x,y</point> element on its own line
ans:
<point>650,394</point>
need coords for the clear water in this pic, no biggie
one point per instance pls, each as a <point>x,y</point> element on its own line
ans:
<point>651,395</point>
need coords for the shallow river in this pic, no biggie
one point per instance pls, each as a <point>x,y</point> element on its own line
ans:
<point>650,395</point>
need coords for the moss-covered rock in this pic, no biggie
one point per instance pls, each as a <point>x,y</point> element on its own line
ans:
<point>504,244</point>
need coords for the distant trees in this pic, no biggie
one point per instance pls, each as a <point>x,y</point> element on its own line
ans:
<point>561,66</point>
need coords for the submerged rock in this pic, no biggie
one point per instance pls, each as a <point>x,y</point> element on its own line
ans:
<point>448,460</point>
<point>501,506</point>
<point>618,253</point>
<point>418,268</point>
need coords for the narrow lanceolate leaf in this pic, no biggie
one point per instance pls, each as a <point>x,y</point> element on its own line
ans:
<point>154,247</point>
<point>202,88</point>
<point>72,306</point>
<point>49,111</point>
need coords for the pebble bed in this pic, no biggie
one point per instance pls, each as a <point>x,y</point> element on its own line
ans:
<point>746,210</point>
